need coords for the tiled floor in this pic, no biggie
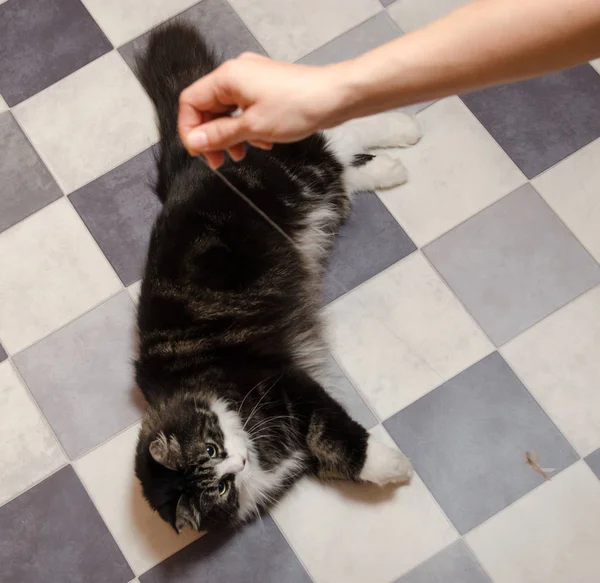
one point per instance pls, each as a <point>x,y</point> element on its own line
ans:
<point>464,310</point>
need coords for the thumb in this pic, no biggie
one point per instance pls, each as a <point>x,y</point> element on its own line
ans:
<point>218,134</point>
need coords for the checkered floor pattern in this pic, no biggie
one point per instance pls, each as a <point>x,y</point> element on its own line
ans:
<point>464,310</point>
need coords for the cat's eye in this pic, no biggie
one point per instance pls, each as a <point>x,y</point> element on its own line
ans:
<point>223,487</point>
<point>211,450</point>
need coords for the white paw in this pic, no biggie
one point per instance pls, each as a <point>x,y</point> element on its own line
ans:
<point>387,172</point>
<point>404,127</point>
<point>385,465</point>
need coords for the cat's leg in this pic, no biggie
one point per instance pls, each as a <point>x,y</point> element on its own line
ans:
<point>343,449</point>
<point>379,171</point>
<point>392,129</point>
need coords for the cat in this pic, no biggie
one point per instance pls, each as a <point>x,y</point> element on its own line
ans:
<point>231,349</point>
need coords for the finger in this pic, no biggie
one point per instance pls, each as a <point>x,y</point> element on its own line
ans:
<point>198,103</point>
<point>218,134</point>
<point>215,159</point>
<point>261,144</point>
<point>237,152</point>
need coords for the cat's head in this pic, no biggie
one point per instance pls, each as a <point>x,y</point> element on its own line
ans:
<point>192,460</point>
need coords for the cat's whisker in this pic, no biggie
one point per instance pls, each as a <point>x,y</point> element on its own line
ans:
<point>252,389</point>
<point>259,402</point>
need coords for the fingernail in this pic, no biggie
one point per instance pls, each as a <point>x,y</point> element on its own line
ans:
<point>198,140</point>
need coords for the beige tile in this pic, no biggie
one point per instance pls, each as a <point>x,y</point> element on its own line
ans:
<point>90,121</point>
<point>107,473</point>
<point>558,361</point>
<point>402,334</point>
<point>412,14</point>
<point>364,533</point>
<point>134,291</point>
<point>123,20</point>
<point>456,170</point>
<point>3,106</point>
<point>289,30</point>
<point>52,271</point>
<point>549,536</point>
<point>28,450</point>
<point>572,189</point>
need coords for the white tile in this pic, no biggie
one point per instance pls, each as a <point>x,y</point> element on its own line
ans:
<point>90,121</point>
<point>28,450</point>
<point>134,291</point>
<point>107,473</point>
<point>363,533</point>
<point>123,20</point>
<point>596,64</point>
<point>558,361</point>
<point>551,535</point>
<point>289,30</point>
<point>412,14</point>
<point>456,170</point>
<point>571,188</point>
<point>52,271</point>
<point>402,334</point>
<point>3,105</point>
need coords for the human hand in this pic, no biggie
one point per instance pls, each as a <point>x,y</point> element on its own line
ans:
<point>279,102</point>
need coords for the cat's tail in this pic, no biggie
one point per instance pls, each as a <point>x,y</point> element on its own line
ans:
<point>176,56</point>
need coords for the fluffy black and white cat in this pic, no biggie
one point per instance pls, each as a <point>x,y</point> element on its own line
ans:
<point>231,346</point>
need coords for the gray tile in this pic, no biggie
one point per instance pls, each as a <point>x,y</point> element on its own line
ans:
<point>257,553</point>
<point>467,440</point>
<point>541,121</point>
<point>387,2</point>
<point>513,264</point>
<point>2,353</point>
<point>25,183</point>
<point>53,533</point>
<point>593,460</point>
<point>455,564</point>
<point>366,36</point>
<point>342,389</point>
<point>43,42</point>
<point>219,25</point>
<point>82,377</point>
<point>119,209</point>
<point>369,242</point>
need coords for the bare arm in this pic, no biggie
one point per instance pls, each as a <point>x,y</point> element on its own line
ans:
<point>484,43</point>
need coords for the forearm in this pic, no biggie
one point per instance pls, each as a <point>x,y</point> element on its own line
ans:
<point>485,43</point>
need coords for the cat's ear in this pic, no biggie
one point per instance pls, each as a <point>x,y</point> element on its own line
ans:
<point>166,451</point>
<point>185,517</point>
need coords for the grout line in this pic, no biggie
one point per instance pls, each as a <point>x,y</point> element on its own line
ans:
<point>67,459</point>
<point>65,191</point>
<point>469,314</point>
<point>326,308</point>
<point>355,385</point>
<point>74,319</point>
<point>289,543</point>
<point>337,37</point>
<point>104,521</point>
<point>559,217</point>
<point>105,441</point>
<point>151,27</point>
<point>476,558</point>
<point>243,22</point>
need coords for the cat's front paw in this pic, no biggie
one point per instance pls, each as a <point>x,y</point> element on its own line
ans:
<point>385,465</point>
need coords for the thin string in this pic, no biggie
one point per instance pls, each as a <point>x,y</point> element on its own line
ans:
<point>266,217</point>
<point>251,204</point>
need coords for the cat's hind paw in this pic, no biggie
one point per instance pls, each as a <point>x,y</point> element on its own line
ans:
<point>385,465</point>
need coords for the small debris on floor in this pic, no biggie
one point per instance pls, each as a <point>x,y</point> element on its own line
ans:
<point>532,457</point>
